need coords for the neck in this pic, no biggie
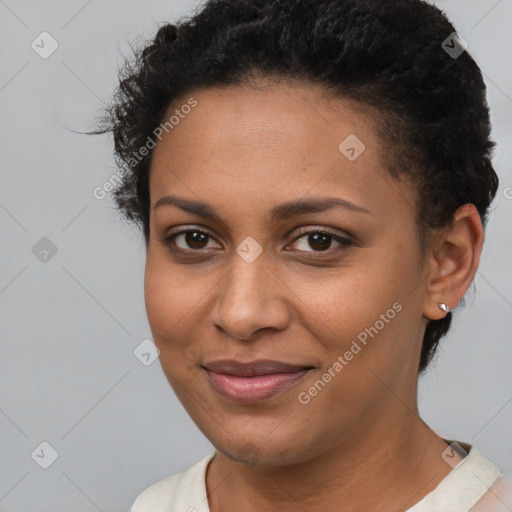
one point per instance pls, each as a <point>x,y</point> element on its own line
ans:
<point>390,466</point>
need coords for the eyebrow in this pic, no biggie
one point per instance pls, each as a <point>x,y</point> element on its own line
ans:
<point>277,213</point>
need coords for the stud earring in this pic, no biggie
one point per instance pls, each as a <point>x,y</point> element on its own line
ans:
<point>444,307</point>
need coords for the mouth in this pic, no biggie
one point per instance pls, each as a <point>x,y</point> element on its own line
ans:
<point>254,381</point>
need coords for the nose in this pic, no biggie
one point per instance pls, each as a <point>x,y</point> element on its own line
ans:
<point>251,297</point>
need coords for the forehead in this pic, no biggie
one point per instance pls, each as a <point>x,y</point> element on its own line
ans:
<point>269,142</point>
<point>261,111</point>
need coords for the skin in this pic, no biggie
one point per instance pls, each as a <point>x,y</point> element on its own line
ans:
<point>360,441</point>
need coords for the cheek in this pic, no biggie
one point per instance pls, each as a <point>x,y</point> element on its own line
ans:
<point>168,308</point>
<point>159,300</point>
<point>343,302</point>
<point>172,315</point>
<point>369,303</point>
<point>168,295</point>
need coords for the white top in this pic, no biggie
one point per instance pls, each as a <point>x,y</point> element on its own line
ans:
<point>473,479</point>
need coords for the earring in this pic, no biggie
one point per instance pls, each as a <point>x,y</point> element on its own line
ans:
<point>444,307</point>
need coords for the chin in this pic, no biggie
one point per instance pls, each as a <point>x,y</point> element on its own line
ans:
<point>263,453</point>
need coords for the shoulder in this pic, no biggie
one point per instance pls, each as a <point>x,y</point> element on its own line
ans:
<point>498,498</point>
<point>472,484</point>
<point>162,495</point>
<point>158,496</point>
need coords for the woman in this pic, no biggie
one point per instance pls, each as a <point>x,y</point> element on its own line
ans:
<point>312,179</point>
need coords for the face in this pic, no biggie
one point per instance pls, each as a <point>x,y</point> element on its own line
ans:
<point>331,285</point>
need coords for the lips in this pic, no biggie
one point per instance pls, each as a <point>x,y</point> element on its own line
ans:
<point>253,381</point>
<point>252,369</point>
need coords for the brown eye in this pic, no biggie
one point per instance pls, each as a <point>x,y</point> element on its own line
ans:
<point>320,241</point>
<point>196,239</point>
<point>189,240</point>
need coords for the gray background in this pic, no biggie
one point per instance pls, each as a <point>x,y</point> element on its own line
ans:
<point>69,326</point>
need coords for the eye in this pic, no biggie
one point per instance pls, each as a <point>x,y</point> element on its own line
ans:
<point>320,240</point>
<point>191,240</point>
<point>194,240</point>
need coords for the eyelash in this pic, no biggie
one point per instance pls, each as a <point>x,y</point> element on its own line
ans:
<point>344,242</point>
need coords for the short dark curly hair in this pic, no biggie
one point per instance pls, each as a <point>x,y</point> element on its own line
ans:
<point>391,57</point>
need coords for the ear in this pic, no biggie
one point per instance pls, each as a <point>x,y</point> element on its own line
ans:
<point>453,262</point>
